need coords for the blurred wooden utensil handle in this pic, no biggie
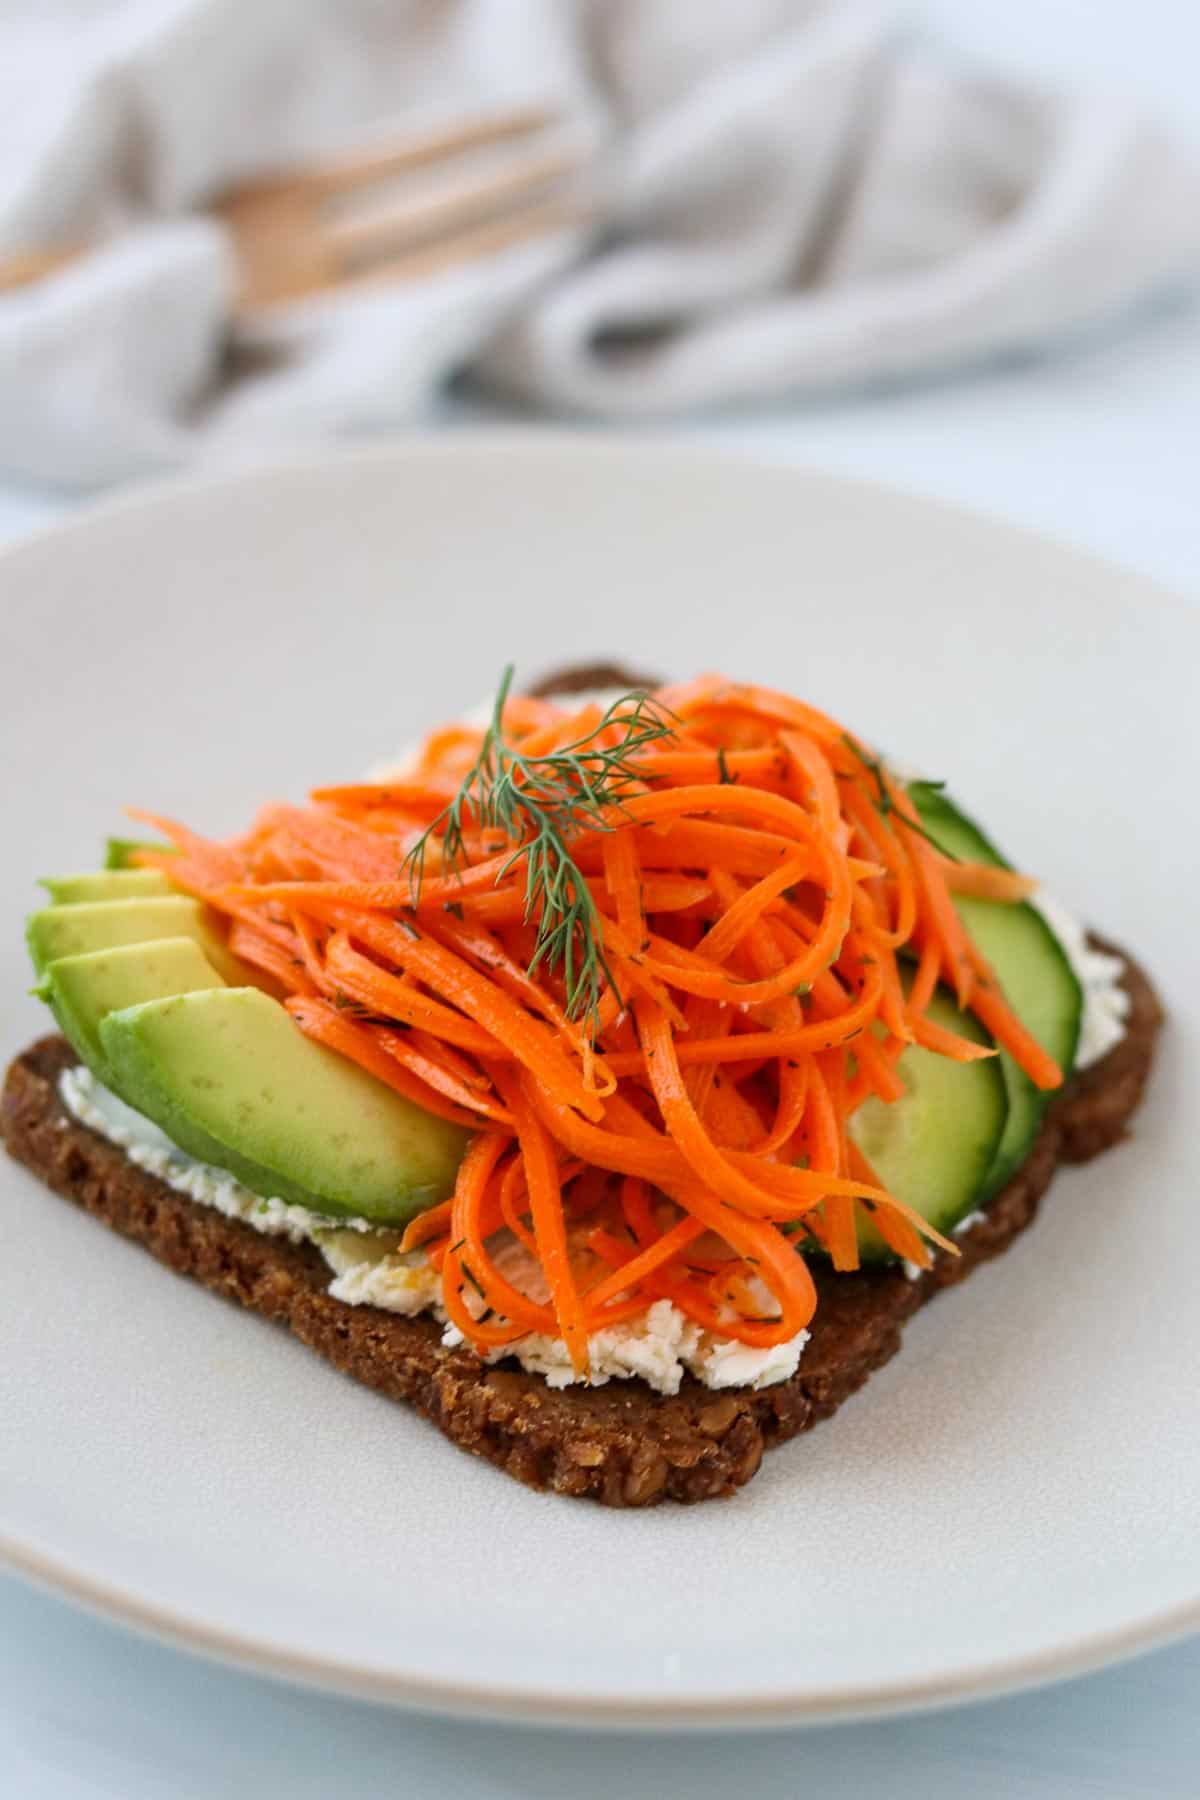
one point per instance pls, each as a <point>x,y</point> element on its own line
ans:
<point>465,192</point>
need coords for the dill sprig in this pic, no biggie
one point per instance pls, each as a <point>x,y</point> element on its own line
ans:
<point>540,803</point>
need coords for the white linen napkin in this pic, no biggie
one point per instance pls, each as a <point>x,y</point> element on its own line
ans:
<point>792,196</point>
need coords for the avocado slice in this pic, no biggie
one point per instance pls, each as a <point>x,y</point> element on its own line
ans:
<point>80,990</point>
<point>118,852</point>
<point>105,924</point>
<point>293,1121</point>
<point>106,884</point>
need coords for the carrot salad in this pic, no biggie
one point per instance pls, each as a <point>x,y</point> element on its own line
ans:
<point>655,956</point>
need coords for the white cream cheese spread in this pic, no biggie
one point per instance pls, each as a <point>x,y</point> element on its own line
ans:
<point>1105,1002</point>
<point>97,1107</point>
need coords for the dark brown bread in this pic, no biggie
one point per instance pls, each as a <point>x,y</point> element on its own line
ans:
<point>578,678</point>
<point>622,1444</point>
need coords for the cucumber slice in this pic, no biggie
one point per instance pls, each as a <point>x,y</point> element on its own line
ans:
<point>1038,980</point>
<point>229,1078</point>
<point>934,1148</point>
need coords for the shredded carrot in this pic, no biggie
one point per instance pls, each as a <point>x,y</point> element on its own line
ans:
<point>757,892</point>
<point>325,1025</point>
<point>982,881</point>
<point>549,1224</point>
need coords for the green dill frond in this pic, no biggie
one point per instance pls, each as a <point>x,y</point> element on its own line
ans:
<point>539,804</point>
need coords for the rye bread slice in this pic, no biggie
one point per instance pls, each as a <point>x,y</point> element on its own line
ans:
<point>623,1444</point>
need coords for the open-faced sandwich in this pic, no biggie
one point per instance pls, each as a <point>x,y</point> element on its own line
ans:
<point>610,1080</point>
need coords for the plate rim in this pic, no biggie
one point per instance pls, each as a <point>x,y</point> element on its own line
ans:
<point>550,441</point>
<point>520,1703</point>
<point>500,1703</point>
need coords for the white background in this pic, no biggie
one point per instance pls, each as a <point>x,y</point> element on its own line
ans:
<point>1098,446</point>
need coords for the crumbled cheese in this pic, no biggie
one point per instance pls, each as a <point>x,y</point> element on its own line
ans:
<point>370,1275</point>
<point>658,1346</point>
<point>965,1225</point>
<point>723,1362</point>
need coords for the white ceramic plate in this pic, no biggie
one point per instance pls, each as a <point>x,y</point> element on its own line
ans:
<point>1014,1498</point>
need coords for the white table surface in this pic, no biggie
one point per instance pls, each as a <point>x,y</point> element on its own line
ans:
<point>1099,447</point>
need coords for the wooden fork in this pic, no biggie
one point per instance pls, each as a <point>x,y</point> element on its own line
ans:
<point>454,198</point>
